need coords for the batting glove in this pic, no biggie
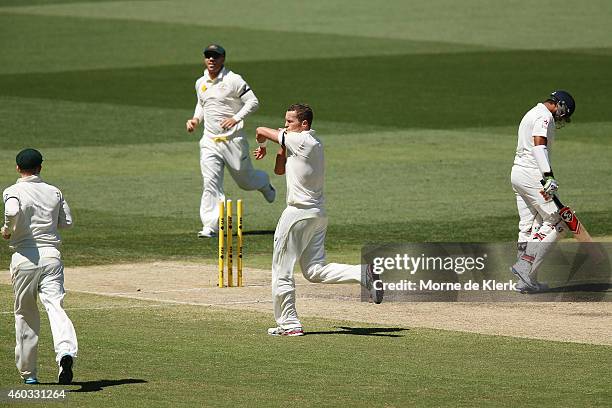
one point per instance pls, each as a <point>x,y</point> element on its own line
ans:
<point>550,185</point>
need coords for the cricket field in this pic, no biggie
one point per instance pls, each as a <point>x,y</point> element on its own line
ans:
<point>418,105</point>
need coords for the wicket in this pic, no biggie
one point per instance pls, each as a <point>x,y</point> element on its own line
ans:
<point>226,224</point>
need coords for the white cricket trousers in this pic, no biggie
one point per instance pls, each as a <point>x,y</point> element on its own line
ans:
<point>540,224</point>
<point>300,236</point>
<point>46,279</point>
<point>534,211</point>
<point>214,156</point>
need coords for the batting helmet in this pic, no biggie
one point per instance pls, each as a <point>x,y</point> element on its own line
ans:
<point>565,105</point>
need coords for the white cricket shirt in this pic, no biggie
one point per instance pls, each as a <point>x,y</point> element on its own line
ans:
<point>305,169</point>
<point>33,212</point>
<point>227,96</point>
<point>537,122</point>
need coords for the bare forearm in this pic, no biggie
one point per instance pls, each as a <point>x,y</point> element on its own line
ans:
<point>281,161</point>
<point>263,133</point>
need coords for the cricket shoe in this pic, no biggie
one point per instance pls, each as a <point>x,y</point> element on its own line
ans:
<point>540,287</point>
<point>30,381</point>
<point>374,285</point>
<point>279,331</point>
<point>207,232</point>
<point>269,193</point>
<point>525,282</point>
<point>65,370</point>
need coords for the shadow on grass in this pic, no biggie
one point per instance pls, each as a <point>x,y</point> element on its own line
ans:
<point>99,385</point>
<point>363,331</point>
<point>259,232</point>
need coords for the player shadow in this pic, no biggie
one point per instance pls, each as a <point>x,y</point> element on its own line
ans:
<point>363,331</point>
<point>99,385</point>
<point>259,232</point>
<point>587,287</point>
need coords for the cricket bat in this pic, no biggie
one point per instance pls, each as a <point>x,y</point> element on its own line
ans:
<point>573,223</point>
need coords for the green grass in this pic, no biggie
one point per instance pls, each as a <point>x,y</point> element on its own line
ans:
<point>139,202</point>
<point>515,24</point>
<point>417,104</point>
<point>203,361</point>
<point>462,90</point>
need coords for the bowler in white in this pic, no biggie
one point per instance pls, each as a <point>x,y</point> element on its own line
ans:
<point>300,233</point>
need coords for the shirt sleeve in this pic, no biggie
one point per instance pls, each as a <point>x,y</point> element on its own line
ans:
<point>65,215</point>
<point>11,210</point>
<point>540,126</point>
<point>292,141</point>
<point>248,98</point>
<point>199,110</point>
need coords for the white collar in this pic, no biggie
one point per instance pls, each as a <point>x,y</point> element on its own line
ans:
<point>34,178</point>
<point>219,77</point>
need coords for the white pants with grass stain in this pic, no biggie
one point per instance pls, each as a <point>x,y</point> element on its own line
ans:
<point>300,237</point>
<point>44,279</point>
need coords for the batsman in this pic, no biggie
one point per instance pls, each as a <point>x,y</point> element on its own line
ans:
<point>534,185</point>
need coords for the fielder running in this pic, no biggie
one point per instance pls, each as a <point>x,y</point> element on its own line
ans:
<point>540,224</point>
<point>300,233</point>
<point>224,100</point>
<point>33,211</point>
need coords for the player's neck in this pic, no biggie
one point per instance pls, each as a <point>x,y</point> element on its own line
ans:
<point>214,74</point>
<point>551,106</point>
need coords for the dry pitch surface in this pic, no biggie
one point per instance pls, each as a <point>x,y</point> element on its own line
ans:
<point>194,284</point>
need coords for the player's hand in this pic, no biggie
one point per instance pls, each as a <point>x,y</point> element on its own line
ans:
<point>192,124</point>
<point>550,185</point>
<point>5,232</point>
<point>259,153</point>
<point>228,123</point>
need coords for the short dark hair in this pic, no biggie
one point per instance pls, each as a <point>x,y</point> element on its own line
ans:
<point>303,111</point>
<point>29,159</point>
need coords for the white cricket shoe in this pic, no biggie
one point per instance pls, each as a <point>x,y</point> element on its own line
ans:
<point>540,287</point>
<point>526,283</point>
<point>207,232</point>
<point>279,331</point>
<point>269,193</point>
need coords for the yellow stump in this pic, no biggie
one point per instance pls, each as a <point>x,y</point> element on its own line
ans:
<point>230,245</point>
<point>221,240</point>
<point>239,243</point>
